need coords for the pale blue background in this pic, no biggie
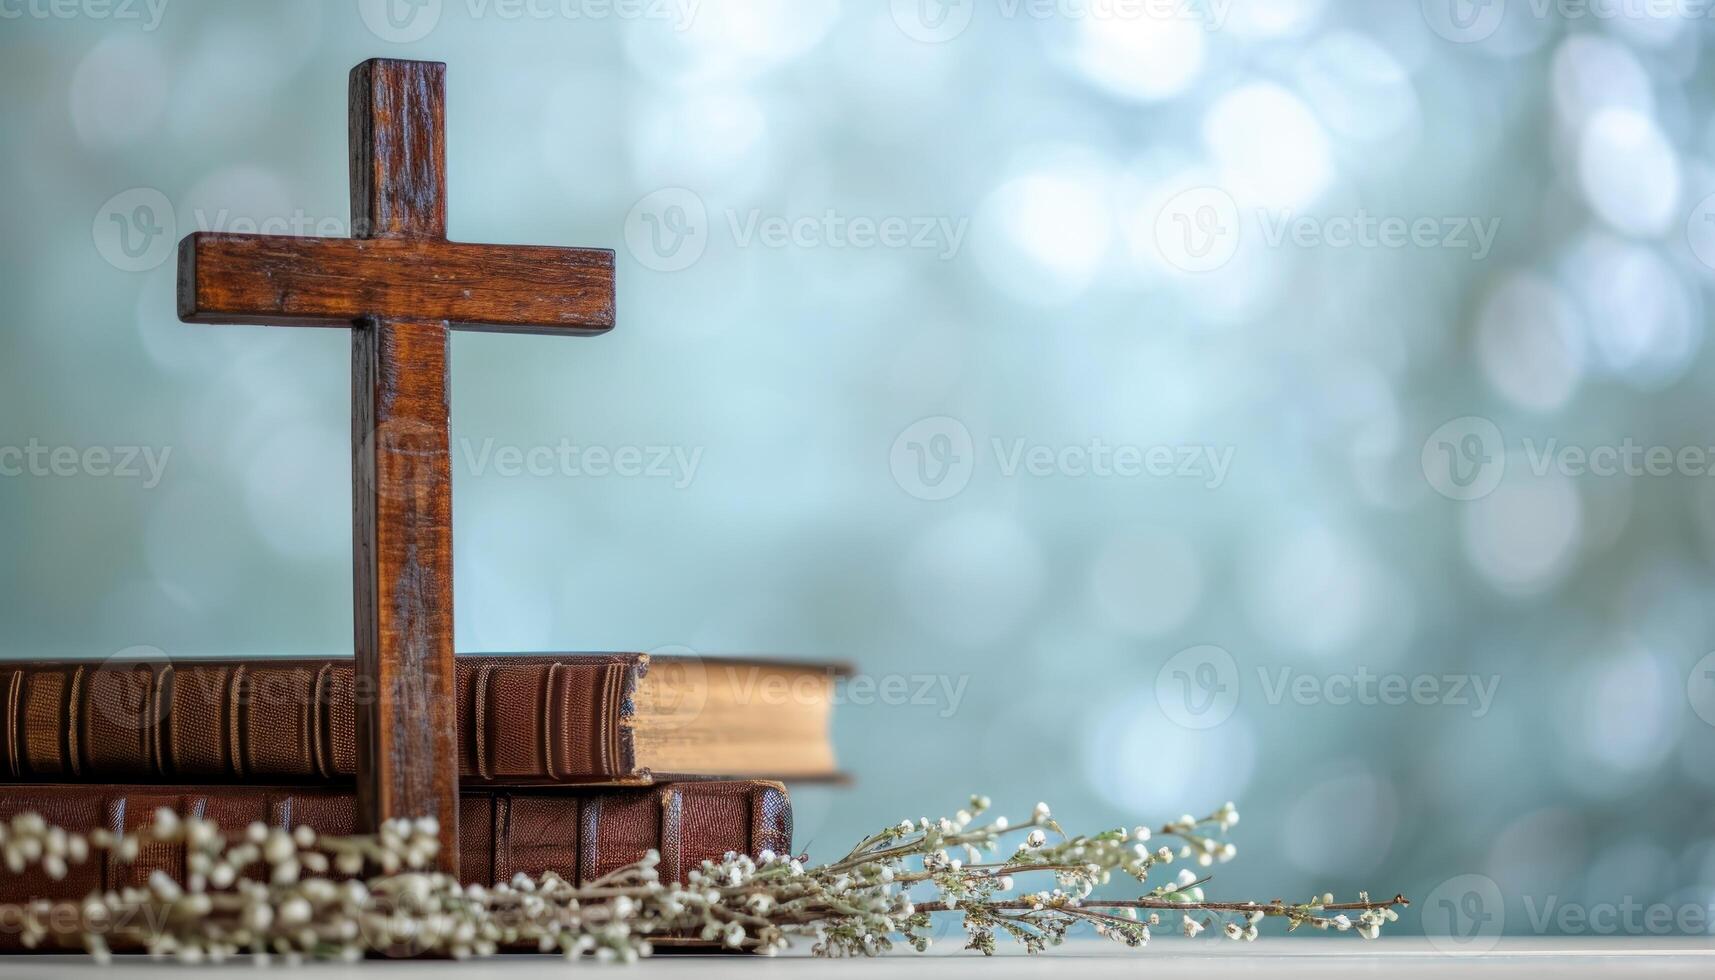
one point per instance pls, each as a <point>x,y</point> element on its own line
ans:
<point>1054,142</point>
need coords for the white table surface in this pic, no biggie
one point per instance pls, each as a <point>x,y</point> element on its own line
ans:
<point>1280,956</point>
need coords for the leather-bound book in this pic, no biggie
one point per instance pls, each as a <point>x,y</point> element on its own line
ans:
<point>524,720</point>
<point>578,834</point>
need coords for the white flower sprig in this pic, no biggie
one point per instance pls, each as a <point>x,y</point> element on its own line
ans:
<point>271,893</point>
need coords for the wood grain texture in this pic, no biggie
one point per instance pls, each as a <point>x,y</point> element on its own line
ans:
<point>398,117</point>
<point>286,281</point>
<point>400,285</point>
<point>402,553</point>
<point>401,472</point>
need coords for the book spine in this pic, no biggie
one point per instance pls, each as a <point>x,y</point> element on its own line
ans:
<point>577,835</point>
<point>522,721</point>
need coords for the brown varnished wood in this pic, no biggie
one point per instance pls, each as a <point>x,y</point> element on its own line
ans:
<point>401,481</point>
<point>400,285</point>
<point>398,122</point>
<point>287,281</point>
<point>402,545</point>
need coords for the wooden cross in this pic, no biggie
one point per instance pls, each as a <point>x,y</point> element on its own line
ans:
<point>399,285</point>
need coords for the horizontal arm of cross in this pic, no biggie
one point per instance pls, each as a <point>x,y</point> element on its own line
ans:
<point>291,281</point>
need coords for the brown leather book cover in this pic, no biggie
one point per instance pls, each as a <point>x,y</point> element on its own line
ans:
<point>524,720</point>
<point>578,834</point>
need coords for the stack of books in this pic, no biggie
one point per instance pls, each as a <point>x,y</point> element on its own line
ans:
<point>571,764</point>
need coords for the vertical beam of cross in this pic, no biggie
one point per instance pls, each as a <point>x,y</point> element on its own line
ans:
<point>400,285</point>
<point>401,478</point>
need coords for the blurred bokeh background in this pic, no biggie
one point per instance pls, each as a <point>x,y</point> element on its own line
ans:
<point>1302,403</point>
